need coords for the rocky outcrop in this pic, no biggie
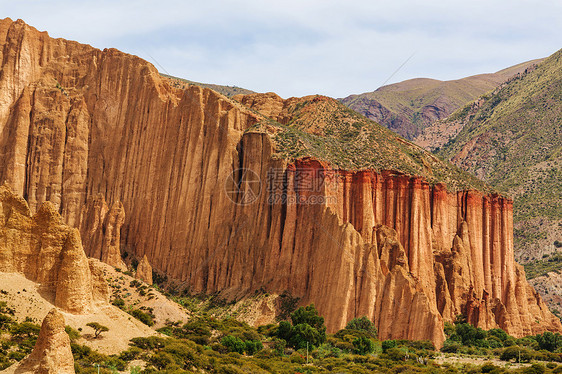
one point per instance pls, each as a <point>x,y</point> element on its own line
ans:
<point>51,354</point>
<point>144,271</point>
<point>100,228</point>
<point>46,251</point>
<point>77,122</point>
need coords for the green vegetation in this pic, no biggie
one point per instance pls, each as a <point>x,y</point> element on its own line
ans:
<point>544,266</point>
<point>513,142</point>
<point>16,339</point>
<point>325,129</point>
<point>209,345</point>
<point>98,328</point>
<point>410,106</point>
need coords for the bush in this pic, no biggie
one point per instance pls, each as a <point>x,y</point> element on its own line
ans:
<point>387,344</point>
<point>534,369</point>
<point>308,327</point>
<point>396,354</point>
<point>120,303</point>
<point>142,316</point>
<point>252,346</point>
<point>488,367</point>
<point>516,353</point>
<point>450,346</point>
<point>161,360</point>
<point>363,346</point>
<point>296,358</point>
<point>233,344</point>
<point>362,324</point>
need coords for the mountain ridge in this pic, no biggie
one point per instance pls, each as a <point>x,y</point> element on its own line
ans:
<point>410,106</point>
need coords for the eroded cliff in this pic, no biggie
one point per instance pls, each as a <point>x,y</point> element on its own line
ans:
<point>47,251</point>
<point>80,126</point>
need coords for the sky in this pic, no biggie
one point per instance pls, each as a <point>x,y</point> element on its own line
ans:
<point>302,47</point>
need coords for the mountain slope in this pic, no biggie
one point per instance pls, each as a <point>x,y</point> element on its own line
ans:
<point>410,106</point>
<point>513,141</point>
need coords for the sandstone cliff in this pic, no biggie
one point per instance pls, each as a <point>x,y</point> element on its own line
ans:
<point>76,122</point>
<point>100,229</point>
<point>51,354</point>
<point>144,271</point>
<point>46,251</point>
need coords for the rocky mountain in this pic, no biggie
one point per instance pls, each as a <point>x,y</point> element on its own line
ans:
<point>300,196</point>
<point>410,106</point>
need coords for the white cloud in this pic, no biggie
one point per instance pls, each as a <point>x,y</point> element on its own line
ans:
<point>308,46</point>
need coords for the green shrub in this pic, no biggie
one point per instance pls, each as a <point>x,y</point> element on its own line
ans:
<point>388,344</point>
<point>142,316</point>
<point>233,344</point>
<point>362,324</point>
<point>297,358</point>
<point>252,346</point>
<point>161,360</point>
<point>363,346</point>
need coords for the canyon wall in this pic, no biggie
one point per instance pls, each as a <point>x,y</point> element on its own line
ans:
<point>87,129</point>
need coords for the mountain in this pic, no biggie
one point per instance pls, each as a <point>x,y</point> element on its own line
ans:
<point>409,107</point>
<point>257,194</point>
<point>513,141</point>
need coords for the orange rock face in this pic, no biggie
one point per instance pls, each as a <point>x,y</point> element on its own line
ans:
<point>52,353</point>
<point>47,251</point>
<point>100,229</point>
<point>144,271</point>
<point>78,123</point>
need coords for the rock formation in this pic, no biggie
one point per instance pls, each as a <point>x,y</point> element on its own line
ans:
<point>46,251</point>
<point>51,354</point>
<point>144,271</point>
<point>100,228</point>
<point>77,122</point>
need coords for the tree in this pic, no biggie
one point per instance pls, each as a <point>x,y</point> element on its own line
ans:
<point>549,341</point>
<point>388,344</point>
<point>362,324</point>
<point>252,346</point>
<point>308,315</point>
<point>308,327</point>
<point>233,344</point>
<point>363,345</point>
<point>98,329</point>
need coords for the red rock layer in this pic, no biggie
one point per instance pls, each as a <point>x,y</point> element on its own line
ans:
<point>76,122</point>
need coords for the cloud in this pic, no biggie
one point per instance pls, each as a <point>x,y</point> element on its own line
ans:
<point>308,46</point>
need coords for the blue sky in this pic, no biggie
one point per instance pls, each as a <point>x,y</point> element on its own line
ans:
<point>305,47</point>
